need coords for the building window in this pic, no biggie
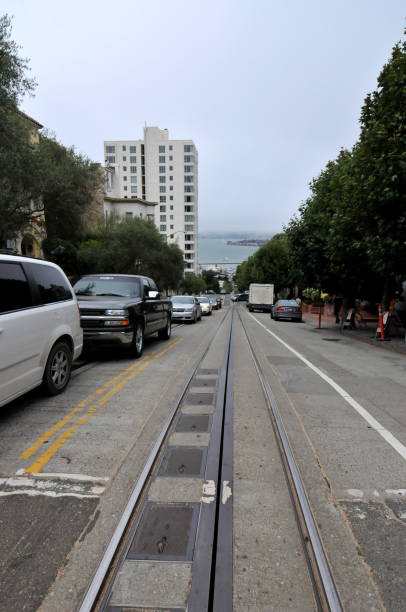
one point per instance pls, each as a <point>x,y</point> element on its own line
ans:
<point>189,178</point>
<point>124,148</point>
<point>133,179</point>
<point>124,158</point>
<point>162,169</point>
<point>171,197</point>
<point>189,188</point>
<point>188,168</point>
<point>162,228</point>
<point>162,179</point>
<point>162,198</point>
<point>171,178</point>
<point>133,189</point>
<point>171,227</point>
<point>188,256</point>
<point>170,147</point>
<point>133,149</point>
<point>189,217</point>
<point>188,237</point>
<point>162,159</point>
<point>162,148</point>
<point>170,157</point>
<point>188,148</point>
<point>110,149</point>
<point>171,168</point>
<point>162,209</point>
<point>189,209</point>
<point>140,215</point>
<point>188,247</point>
<point>133,159</point>
<point>162,188</point>
<point>133,169</point>
<point>110,159</point>
<point>124,178</point>
<point>189,228</point>
<point>189,198</point>
<point>125,187</point>
<point>162,218</point>
<point>171,217</point>
<point>129,215</point>
<point>171,207</point>
<point>170,187</point>
<point>189,159</point>
<point>124,168</point>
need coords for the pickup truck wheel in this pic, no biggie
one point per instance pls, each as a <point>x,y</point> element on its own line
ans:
<point>165,334</point>
<point>58,369</point>
<point>137,345</point>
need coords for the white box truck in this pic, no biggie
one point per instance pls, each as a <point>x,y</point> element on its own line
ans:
<point>260,297</point>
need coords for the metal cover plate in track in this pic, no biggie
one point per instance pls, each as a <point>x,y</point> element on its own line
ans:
<point>197,399</point>
<point>193,423</point>
<point>207,372</point>
<point>166,532</point>
<point>204,382</point>
<point>183,461</point>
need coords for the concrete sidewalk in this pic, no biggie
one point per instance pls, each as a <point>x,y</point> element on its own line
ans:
<point>367,335</point>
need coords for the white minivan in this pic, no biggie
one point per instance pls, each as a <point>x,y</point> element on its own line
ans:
<point>40,333</point>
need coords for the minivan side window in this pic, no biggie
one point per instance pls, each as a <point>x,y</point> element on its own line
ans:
<point>14,290</point>
<point>52,286</point>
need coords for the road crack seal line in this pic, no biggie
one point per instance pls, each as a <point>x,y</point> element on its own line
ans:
<point>45,457</point>
<point>82,404</point>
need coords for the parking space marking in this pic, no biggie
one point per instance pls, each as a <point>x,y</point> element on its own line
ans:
<point>372,422</point>
<point>91,398</point>
<point>121,380</point>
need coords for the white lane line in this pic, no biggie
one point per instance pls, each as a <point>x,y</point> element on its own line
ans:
<point>386,435</point>
<point>63,476</point>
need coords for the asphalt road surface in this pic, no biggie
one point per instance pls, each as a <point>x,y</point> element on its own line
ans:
<point>69,463</point>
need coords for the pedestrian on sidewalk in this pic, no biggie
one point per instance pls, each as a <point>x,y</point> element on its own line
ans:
<point>338,302</point>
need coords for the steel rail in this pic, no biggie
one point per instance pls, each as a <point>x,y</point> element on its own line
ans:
<point>322,579</point>
<point>102,571</point>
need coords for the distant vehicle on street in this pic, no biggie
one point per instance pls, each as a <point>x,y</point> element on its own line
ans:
<point>241,297</point>
<point>260,297</point>
<point>121,309</point>
<point>205,305</point>
<point>186,308</point>
<point>214,302</point>
<point>286,309</point>
<point>219,302</point>
<point>39,325</point>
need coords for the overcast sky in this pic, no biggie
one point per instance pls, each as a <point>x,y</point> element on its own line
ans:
<point>268,90</point>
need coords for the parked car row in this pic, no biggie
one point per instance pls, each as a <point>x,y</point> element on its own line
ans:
<point>192,308</point>
<point>45,323</point>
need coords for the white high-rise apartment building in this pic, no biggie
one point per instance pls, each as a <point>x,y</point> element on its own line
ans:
<point>160,170</point>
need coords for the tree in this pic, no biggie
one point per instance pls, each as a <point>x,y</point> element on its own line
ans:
<point>20,165</point>
<point>349,236</point>
<point>193,284</point>
<point>73,184</point>
<point>14,83</point>
<point>210,277</point>
<point>131,246</point>
<point>271,263</point>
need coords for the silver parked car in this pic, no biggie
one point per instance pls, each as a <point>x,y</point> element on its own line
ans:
<point>286,309</point>
<point>205,305</point>
<point>186,308</point>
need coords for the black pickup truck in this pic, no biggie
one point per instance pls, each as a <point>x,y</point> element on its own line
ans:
<point>121,309</point>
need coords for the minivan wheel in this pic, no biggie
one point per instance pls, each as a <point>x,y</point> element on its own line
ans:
<point>165,333</point>
<point>137,345</point>
<point>58,369</point>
